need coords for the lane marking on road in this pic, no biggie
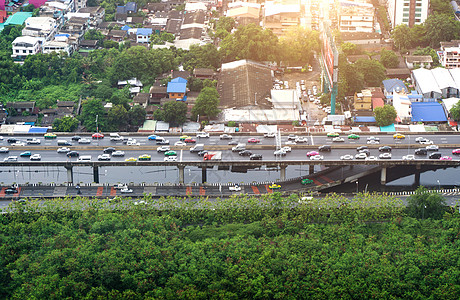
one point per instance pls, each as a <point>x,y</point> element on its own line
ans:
<point>316,181</point>
<point>325,178</point>
<point>202,191</point>
<point>113,191</point>
<point>2,192</point>
<point>270,191</point>
<point>188,190</point>
<point>312,142</point>
<point>255,190</point>
<point>99,191</point>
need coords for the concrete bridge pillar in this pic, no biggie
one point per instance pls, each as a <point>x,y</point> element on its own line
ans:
<point>69,174</point>
<point>96,174</point>
<point>204,176</point>
<point>311,169</point>
<point>417,175</point>
<point>383,176</point>
<point>283,173</point>
<point>181,173</point>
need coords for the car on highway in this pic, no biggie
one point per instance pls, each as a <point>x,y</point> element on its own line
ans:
<point>163,148</point>
<point>420,151</point>
<point>365,151</point>
<point>11,158</point>
<point>225,136</point>
<point>145,157</point>
<point>126,190</point>
<point>373,138</point>
<point>75,138</point>
<point>152,137</point>
<point>399,136</point>
<point>426,142</point>
<point>253,140</point>
<point>109,150</point>
<point>35,156</point>
<point>371,157</point>
<point>456,151</point>
<point>170,153</point>
<point>118,153</point>
<point>1,138</point>
<point>419,138</point>
<point>33,141</point>
<point>317,157</point>
<point>373,142</point>
<point>446,158</point>
<point>202,153</point>
<point>12,140</point>
<point>162,142</point>
<point>255,157</point>
<point>170,158</point>
<point>290,143</point>
<point>346,157</point>
<point>269,135</point>
<point>353,136</point>
<point>84,141</point>
<point>19,143</point>
<point>50,135</point>
<point>286,149</point>
<point>131,159</point>
<point>4,150</point>
<point>435,155</point>
<point>73,154</point>
<point>332,134</point>
<point>25,154</point>
<point>63,150</point>
<point>104,157</point>
<point>180,144</point>
<point>11,190</point>
<point>301,139</point>
<point>274,186</point>
<point>361,156</point>
<point>97,135</point>
<point>325,148</point>
<point>190,141</point>
<point>235,188</point>
<point>338,140</point>
<point>184,137</point>
<point>432,148</point>
<point>232,143</point>
<point>312,153</point>
<point>385,156</point>
<point>408,157</point>
<point>132,142</point>
<point>361,148</point>
<point>202,134</point>
<point>306,181</point>
<point>279,152</point>
<point>245,153</point>
<point>385,149</point>
<point>291,137</point>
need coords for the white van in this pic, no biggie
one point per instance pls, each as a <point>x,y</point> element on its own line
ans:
<point>84,158</point>
<point>115,137</point>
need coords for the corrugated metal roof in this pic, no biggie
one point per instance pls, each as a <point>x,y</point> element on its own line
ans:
<point>364,119</point>
<point>391,84</point>
<point>443,78</point>
<point>176,87</point>
<point>428,112</point>
<point>426,81</point>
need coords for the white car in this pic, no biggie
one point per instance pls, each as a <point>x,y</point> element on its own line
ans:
<point>1,137</point>
<point>170,158</point>
<point>120,186</point>
<point>432,148</point>
<point>338,139</point>
<point>118,153</point>
<point>19,143</point>
<point>373,142</point>
<point>292,137</point>
<point>317,157</point>
<point>346,157</point>
<point>163,148</point>
<point>104,157</point>
<point>225,136</point>
<point>11,158</point>
<point>279,152</point>
<point>290,143</point>
<point>286,149</point>
<point>269,135</point>
<point>385,156</point>
<point>408,157</point>
<point>202,134</point>
<point>126,190</point>
<point>361,156</point>
<point>371,157</point>
<point>235,188</point>
<point>4,150</point>
<point>301,140</point>
<point>84,141</point>
<point>63,150</point>
<point>426,142</point>
<point>370,138</point>
<point>180,143</point>
<point>36,157</point>
<point>140,202</point>
<point>33,141</point>
<point>420,138</point>
<point>132,142</point>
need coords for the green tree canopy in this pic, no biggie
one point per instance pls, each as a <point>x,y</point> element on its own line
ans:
<point>297,46</point>
<point>206,56</point>
<point>441,27</point>
<point>385,115</point>
<point>65,124</point>
<point>426,204</point>
<point>207,103</point>
<point>92,109</point>
<point>137,115</point>
<point>349,48</point>
<point>175,112</point>
<point>94,34</point>
<point>455,111</point>
<point>117,118</point>
<point>372,70</point>
<point>402,37</point>
<point>389,59</point>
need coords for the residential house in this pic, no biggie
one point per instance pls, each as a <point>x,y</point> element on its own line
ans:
<point>131,7</point>
<point>369,41</point>
<point>445,82</point>
<point>134,20</point>
<point>49,115</point>
<point>24,46</point>
<point>450,54</point>
<point>154,7</point>
<point>141,99</point>
<point>157,93</point>
<point>23,107</point>
<point>97,14</point>
<point>244,13</point>
<point>425,83</point>
<point>134,83</point>
<point>363,100</point>
<point>27,120</point>
<point>88,44</point>
<point>143,35</point>
<point>65,108</point>
<point>424,61</point>
<point>391,85</point>
<point>42,27</point>
<point>117,35</point>
<point>279,15</point>
<point>57,46</point>
<point>403,107</point>
<point>80,4</point>
<point>177,88</point>
<point>204,73</point>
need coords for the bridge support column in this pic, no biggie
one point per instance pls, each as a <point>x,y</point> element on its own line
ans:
<point>204,176</point>
<point>383,176</point>
<point>417,175</point>
<point>283,173</point>
<point>96,174</point>
<point>311,169</point>
<point>181,173</point>
<point>69,174</point>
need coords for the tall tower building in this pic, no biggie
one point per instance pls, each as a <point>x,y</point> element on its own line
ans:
<point>409,12</point>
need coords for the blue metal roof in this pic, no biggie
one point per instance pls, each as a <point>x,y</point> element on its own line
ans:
<point>391,84</point>
<point>131,6</point>
<point>144,31</point>
<point>179,79</point>
<point>121,9</point>
<point>389,128</point>
<point>364,119</point>
<point>38,129</point>
<point>126,27</point>
<point>176,87</point>
<point>428,112</point>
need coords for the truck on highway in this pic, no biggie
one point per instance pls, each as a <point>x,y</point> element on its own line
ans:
<point>239,147</point>
<point>213,155</point>
<point>197,148</point>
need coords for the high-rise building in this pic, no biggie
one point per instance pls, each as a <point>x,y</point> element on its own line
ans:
<point>409,12</point>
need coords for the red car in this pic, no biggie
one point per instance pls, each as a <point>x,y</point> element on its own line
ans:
<point>97,135</point>
<point>253,140</point>
<point>190,141</point>
<point>312,153</point>
<point>446,158</point>
<point>456,151</point>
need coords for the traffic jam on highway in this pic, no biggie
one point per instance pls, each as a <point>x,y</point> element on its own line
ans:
<point>171,148</point>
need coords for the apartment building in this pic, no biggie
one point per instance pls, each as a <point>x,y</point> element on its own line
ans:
<point>450,54</point>
<point>280,15</point>
<point>24,46</point>
<point>359,18</point>
<point>409,12</point>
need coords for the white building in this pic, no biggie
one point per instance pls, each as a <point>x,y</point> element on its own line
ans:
<point>25,45</point>
<point>57,46</point>
<point>450,54</point>
<point>425,83</point>
<point>44,27</point>
<point>285,99</point>
<point>356,18</point>
<point>79,4</point>
<point>403,106</point>
<point>445,82</point>
<point>407,12</point>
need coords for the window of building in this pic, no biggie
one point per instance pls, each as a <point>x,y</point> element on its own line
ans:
<point>418,20</point>
<point>418,10</point>
<point>418,15</point>
<point>405,14</point>
<point>406,4</point>
<point>405,20</point>
<point>406,9</point>
<point>418,4</point>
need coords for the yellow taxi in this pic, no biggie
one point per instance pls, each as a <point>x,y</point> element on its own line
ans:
<point>399,136</point>
<point>145,157</point>
<point>131,159</point>
<point>50,135</point>
<point>184,137</point>
<point>274,186</point>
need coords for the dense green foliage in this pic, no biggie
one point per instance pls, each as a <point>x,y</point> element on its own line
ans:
<point>426,204</point>
<point>385,115</point>
<point>455,111</point>
<point>65,124</point>
<point>238,248</point>
<point>389,59</point>
<point>207,103</point>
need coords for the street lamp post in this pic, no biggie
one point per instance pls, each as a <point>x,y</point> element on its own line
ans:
<point>439,185</point>
<point>357,186</point>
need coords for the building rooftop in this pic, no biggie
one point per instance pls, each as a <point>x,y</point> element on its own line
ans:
<point>428,112</point>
